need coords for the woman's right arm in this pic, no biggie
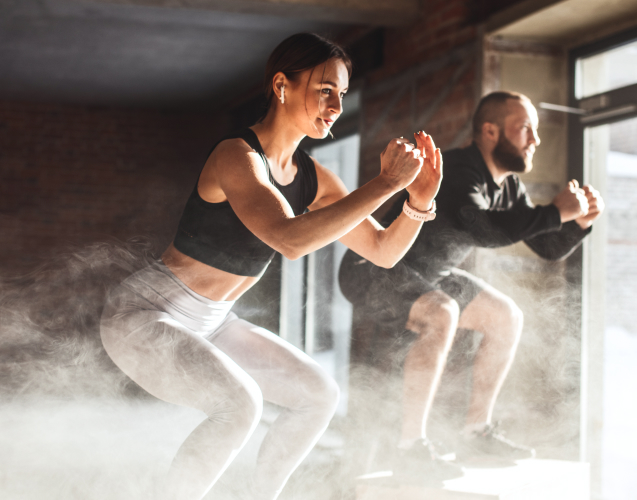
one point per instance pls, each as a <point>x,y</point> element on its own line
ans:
<point>242,177</point>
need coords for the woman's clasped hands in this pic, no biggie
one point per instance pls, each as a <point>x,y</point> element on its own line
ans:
<point>418,168</point>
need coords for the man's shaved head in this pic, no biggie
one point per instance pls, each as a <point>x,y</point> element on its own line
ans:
<point>505,128</point>
<point>492,108</point>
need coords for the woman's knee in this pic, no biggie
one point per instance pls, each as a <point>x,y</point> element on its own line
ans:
<point>251,399</point>
<point>321,393</point>
<point>239,403</point>
<point>329,395</point>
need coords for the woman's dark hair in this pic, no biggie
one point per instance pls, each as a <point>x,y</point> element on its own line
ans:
<point>298,53</point>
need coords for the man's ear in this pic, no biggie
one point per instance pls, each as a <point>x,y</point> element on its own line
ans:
<point>490,133</point>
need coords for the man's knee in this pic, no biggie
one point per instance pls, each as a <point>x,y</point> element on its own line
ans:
<point>434,316</point>
<point>509,313</point>
<point>516,316</point>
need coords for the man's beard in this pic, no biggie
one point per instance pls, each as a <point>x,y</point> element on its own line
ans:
<point>508,158</point>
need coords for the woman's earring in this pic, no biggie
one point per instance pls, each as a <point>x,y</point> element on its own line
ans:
<point>282,94</point>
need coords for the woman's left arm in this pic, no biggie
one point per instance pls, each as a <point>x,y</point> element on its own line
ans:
<point>385,247</point>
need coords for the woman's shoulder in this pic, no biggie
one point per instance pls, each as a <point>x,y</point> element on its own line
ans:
<point>231,161</point>
<point>231,150</point>
<point>239,141</point>
<point>230,145</point>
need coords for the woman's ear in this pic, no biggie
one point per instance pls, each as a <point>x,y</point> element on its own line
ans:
<point>278,83</point>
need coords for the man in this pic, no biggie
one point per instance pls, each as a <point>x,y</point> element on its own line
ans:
<point>481,203</point>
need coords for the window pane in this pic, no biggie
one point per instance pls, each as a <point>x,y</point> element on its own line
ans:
<point>328,318</point>
<point>606,71</point>
<point>611,260</point>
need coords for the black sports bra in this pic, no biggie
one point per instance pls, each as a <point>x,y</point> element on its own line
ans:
<point>213,234</point>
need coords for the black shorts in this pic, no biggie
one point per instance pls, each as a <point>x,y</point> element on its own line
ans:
<point>387,295</point>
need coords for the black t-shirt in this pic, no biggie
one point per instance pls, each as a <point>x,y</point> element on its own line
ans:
<point>473,211</point>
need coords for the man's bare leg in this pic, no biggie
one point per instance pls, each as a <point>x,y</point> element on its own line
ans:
<point>434,317</point>
<point>500,320</point>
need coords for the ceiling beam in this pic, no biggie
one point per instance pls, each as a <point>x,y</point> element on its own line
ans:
<point>517,11</point>
<point>374,12</point>
<point>563,22</point>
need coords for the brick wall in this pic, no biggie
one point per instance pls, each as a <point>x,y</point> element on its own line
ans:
<point>74,175</point>
<point>430,80</point>
<point>443,26</point>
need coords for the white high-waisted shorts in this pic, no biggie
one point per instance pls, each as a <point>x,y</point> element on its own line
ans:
<point>158,288</point>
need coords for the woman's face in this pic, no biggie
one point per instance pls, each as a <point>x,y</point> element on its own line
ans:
<point>315,100</point>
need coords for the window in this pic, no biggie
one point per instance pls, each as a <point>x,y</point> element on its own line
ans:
<point>604,153</point>
<point>319,319</point>
<point>608,70</point>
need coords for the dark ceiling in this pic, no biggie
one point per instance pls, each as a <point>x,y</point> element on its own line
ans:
<point>121,55</point>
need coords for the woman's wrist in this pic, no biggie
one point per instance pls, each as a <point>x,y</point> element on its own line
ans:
<point>386,184</point>
<point>422,204</point>
<point>419,215</point>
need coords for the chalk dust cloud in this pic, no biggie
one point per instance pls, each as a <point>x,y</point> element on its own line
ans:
<point>75,427</point>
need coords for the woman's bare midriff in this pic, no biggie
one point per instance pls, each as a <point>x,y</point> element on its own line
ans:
<point>210,282</point>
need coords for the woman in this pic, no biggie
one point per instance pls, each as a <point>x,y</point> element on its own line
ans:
<point>169,326</point>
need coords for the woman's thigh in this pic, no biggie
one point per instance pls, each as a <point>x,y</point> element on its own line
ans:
<point>286,375</point>
<point>169,361</point>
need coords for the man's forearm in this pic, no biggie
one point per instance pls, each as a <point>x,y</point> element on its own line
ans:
<point>560,244</point>
<point>504,227</point>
